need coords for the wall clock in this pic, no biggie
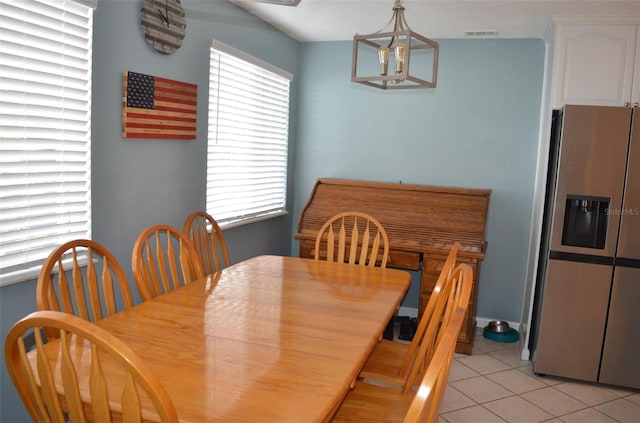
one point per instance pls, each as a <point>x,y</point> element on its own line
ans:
<point>164,24</point>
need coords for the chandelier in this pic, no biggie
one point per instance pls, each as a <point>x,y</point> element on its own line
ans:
<point>395,59</point>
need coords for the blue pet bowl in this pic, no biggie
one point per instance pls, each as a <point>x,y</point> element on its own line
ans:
<point>500,331</point>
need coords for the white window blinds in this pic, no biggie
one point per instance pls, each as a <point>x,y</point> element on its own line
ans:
<point>45,130</point>
<point>248,137</point>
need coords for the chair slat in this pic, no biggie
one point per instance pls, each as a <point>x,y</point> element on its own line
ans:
<point>47,386</point>
<point>98,389</point>
<point>93,287</point>
<point>33,392</point>
<point>341,242</point>
<point>365,247</point>
<point>161,263</point>
<point>63,288</point>
<point>331,239</point>
<point>78,288</point>
<point>73,401</point>
<point>353,246</point>
<point>173,264</point>
<point>107,288</point>
<point>130,402</point>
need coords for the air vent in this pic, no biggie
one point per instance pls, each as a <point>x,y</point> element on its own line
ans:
<point>481,33</point>
<point>280,2</point>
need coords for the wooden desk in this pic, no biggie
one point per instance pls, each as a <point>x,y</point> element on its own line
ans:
<point>422,223</point>
<point>271,339</point>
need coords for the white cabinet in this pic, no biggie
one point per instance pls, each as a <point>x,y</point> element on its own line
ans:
<point>595,64</point>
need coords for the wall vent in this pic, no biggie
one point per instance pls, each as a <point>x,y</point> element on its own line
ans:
<point>491,33</point>
<point>281,2</point>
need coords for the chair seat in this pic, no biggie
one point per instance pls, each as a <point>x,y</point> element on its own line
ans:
<point>373,403</point>
<point>385,362</point>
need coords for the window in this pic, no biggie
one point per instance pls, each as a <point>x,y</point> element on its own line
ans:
<point>45,130</point>
<point>248,137</point>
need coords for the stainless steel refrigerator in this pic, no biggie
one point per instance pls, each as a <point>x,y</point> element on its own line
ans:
<point>587,299</point>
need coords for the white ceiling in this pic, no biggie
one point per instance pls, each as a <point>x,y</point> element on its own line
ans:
<point>333,20</point>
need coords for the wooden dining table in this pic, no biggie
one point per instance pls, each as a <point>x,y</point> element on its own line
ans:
<point>270,339</point>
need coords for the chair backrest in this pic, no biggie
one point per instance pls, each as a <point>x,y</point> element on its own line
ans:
<point>455,293</point>
<point>162,260</point>
<point>81,277</point>
<point>360,239</point>
<point>425,317</point>
<point>426,402</point>
<point>85,396</point>
<point>207,238</point>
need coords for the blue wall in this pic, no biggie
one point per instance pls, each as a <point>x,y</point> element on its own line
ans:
<point>477,129</point>
<point>137,183</point>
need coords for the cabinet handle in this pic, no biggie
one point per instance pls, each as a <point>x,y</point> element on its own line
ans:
<point>636,104</point>
<point>627,104</point>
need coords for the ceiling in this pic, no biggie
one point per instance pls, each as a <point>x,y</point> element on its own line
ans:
<point>333,20</point>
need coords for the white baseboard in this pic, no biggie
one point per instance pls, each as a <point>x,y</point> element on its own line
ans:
<point>407,311</point>
<point>481,322</point>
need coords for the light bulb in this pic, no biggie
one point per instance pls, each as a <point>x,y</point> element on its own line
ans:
<point>400,53</point>
<point>383,59</point>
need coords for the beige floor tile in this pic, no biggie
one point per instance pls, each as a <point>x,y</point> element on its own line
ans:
<point>553,401</point>
<point>459,371</point>
<point>622,410</point>
<point>480,389</point>
<point>454,400</point>
<point>621,391</point>
<point>589,393</point>
<point>511,356</point>
<point>477,414</point>
<point>494,386</point>
<point>634,398</point>
<point>483,344</point>
<point>588,415</point>
<point>547,380</point>
<point>515,381</point>
<point>484,363</point>
<point>516,410</point>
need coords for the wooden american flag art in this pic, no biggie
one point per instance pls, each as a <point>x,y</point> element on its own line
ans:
<point>154,107</point>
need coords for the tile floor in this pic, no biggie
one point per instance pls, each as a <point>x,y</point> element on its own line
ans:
<point>492,385</point>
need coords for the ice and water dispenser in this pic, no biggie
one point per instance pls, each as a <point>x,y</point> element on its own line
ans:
<point>585,221</point>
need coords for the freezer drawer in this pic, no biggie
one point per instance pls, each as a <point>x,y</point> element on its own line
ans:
<point>620,358</point>
<point>574,312</point>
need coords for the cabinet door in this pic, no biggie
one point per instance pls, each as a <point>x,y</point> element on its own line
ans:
<point>620,364</point>
<point>574,313</point>
<point>594,64</point>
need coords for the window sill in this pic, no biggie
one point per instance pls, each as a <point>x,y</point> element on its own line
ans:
<point>253,219</point>
<point>31,273</point>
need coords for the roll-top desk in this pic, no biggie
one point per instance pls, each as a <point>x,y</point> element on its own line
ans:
<point>422,223</point>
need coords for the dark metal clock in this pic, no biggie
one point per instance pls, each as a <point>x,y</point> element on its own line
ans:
<point>164,24</point>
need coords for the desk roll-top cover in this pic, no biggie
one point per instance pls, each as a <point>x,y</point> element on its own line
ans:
<point>422,223</point>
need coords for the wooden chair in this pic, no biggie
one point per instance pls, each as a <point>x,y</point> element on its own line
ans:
<point>376,403</point>
<point>373,403</point>
<point>80,277</point>
<point>162,260</point>
<point>359,237</point>
<point>391,361</point>
<point>206,236</point>
<point>60,393</point>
